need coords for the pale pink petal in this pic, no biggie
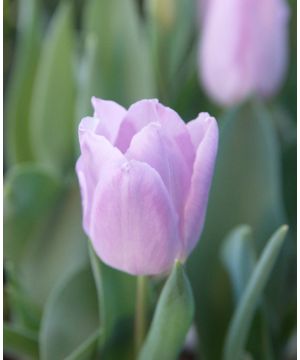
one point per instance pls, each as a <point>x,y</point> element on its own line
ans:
<point>154,147</point>
<point>134,226</point>
<point>110,115</point>
<point>175,128</point>
<point>197,128</point>
<point>196,204</point>
<point>87,124</point>
<point>139,115</point>
<point>96,153</point>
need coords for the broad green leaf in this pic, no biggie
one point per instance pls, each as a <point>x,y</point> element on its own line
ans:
<point>87,80</point>
<point>52,106</point>
<point>70,316</point>
<point>115,292</point>
<point>87,348</point>
<point>125,71</point>
<point>246,189</point>
<point>238,256</point>
<point>172,318</point>
<point>43,236</point>
<point>19,342</point>
<point>30,192</point>
<point>171,26</point>
<point>20,85</point>
<point>241,321</point>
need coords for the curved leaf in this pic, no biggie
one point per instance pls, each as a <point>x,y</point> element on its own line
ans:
<point>241,321</point>
<point>20,86</point>
<point>239,257</point>
<point>70,316</point>
<point>52,107</point>
<point>172,318</point>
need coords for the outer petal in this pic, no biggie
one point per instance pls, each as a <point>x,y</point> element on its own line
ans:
<point>133,222</point>
<point>196,204</point>
<point>87,125</point>
<point>110,115</point>
<point>197,128</point>
<point>96,154</point>
<point>153,146</point>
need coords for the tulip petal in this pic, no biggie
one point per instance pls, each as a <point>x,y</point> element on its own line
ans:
<point>206,130</point>
<point>96,153</point>
<point>272,39</point>
<point>152,146</point>
<point>139,115</point>
<point>110,115</point>
<point>175,128</point>
<point>197,128</point>
<point>134,225</point>
<point>144,112</point>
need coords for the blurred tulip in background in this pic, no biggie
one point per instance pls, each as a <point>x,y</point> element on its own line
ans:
<point>243,48</point>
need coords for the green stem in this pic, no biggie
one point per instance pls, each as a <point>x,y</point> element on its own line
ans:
<point>140,312</point>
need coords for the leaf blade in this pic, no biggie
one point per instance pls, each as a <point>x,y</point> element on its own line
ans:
<point>239,326</point>
<point>173,317</point>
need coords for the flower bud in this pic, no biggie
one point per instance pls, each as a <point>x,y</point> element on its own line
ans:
<point>243,49</point>
<point>144,177</point>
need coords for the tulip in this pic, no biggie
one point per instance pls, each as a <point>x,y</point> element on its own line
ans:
<point>144,177</point>
<point>243,50</point>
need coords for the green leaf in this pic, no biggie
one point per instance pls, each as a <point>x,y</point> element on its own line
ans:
<point>87,348</point>
<point>171,26</point>
<point>52,107</point>
<point>70,316</point>
<point>43,237</point>
<point>246,189</point>
<point>19,342</point>
<point>30,192</point>
<point>238,257</point>
<point>172,318</point>
<point>241,321</point>
<point>113,288</point>
<point>20,85</point>
<point>87,82</point>
<point>125,71</point>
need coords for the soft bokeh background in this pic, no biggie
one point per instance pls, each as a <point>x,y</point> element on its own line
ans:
<point>57,54</point>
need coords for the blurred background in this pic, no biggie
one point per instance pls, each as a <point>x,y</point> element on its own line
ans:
<point>59,53</point>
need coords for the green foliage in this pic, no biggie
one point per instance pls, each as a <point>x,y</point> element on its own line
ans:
<point>125,70</point>
<point>240,324</point>
<point>43,235</point>
<point>19,342</point>
<point>172,318</point>
<point>239,257</point>
<point>70,317</point>
<point>52,106</point>
<point>19,93</point>
<point>114,294</point>
<point>246,189</point>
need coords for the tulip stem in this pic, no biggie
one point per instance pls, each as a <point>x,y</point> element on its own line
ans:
<point>140,312</point>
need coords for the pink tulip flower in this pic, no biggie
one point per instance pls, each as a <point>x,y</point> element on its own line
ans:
<point>145,178</point>
<point>243,48</point>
